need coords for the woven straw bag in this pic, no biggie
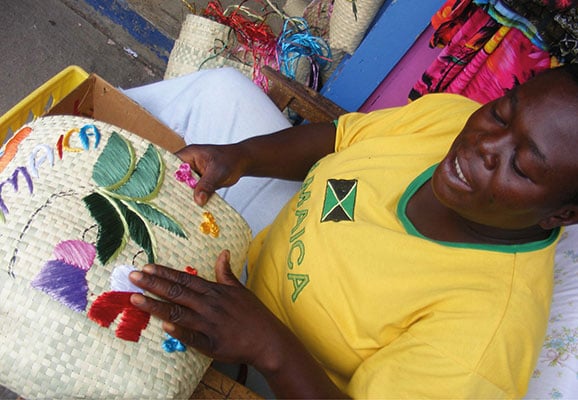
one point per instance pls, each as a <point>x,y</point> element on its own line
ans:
<point>205,44</point>
<point>83,202</point>
<point>345,29</point>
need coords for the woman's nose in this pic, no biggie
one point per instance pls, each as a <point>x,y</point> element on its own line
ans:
<point>491,148</point>
<point>491,160</point>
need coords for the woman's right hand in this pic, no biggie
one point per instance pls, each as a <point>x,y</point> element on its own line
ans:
<point>287,154</point>
<point>218,165</point>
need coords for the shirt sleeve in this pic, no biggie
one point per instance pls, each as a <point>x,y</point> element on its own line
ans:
<point>434,111</point>
<point>410,369</point>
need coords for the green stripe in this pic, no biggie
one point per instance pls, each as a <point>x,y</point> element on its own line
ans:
<point>502,248</point>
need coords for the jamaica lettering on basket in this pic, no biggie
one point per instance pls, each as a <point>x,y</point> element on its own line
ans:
<point>40,155</point>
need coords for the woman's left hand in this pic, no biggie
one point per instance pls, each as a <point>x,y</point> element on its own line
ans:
<point>225,321</point>
<point>222,319</point>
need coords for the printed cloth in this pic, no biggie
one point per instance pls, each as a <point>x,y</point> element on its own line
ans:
<point>482,59</point>
<point>555,374</point>
<point>550,24</point>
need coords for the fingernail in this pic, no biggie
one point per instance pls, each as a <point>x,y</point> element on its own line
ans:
<point>168,327</point>
<point>202,198</point>
<point>149,269</point>
<point>136,276</point>
<point>137,299</point>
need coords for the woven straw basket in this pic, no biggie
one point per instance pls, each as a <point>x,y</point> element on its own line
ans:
<point>49,347</point>
<point>200,46</point>
<point>345,31</point>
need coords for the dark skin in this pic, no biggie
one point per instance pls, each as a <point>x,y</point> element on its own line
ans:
<point>513,160</point>
<point>506,179</point>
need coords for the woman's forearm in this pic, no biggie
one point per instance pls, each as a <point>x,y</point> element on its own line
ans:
<point>292,372</point>
<point>288,154</point>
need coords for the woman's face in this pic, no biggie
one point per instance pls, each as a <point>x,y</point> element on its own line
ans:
<point>515,163</point>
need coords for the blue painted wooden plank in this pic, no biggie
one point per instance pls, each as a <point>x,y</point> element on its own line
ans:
<point>121,14</point>
<point>398,25</point>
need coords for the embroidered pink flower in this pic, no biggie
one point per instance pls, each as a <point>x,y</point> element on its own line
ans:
<point>185,175</point>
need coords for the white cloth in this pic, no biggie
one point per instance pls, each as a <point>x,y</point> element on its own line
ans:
<point>556,374</point>
<point>218,107</point>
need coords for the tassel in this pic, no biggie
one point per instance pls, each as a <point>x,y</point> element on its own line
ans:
<point>119,281</point>
<point>76,252</point>
<point>296,42</point>
<point>255,37</point>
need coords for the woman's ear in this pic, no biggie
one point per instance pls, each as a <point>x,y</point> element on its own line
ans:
<point>567,215</point>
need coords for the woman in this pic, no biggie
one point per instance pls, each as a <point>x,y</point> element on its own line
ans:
<point>416,259</point>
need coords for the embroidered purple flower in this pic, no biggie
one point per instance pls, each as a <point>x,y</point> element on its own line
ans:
<point>64,277</point>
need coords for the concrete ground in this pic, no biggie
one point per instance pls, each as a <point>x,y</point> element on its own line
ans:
<point>127,42</point>
<point>40,38</point>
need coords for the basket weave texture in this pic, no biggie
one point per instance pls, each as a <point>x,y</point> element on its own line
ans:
<point>48,350</point>
<point>205,44</point>
<point>346,29</point>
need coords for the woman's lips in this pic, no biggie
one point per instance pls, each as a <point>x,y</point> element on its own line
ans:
<point>457,175</point>
<point>459,172</point>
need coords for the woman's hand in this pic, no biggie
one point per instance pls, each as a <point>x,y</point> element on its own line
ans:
<point>218,165</point>
<point>223,320</point>
<point>287,154</point>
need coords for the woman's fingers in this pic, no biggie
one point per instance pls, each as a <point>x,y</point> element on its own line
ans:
<point>179,321</point>
<point>201,313</point>
<point>223,272</point>
<point>177,287</point>
<point>170,312</point>
<point>222,268</point>
<point>152,271</point>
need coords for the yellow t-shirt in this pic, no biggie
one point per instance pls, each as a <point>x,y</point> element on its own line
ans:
<point>388,313</point>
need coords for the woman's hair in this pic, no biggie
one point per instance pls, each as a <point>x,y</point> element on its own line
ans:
<point>572,70</point>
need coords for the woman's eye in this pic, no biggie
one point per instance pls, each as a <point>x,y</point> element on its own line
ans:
<point>517,169</point>
<point>496,115</point>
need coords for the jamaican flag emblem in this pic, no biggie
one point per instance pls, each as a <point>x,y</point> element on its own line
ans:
<point>339,204</point>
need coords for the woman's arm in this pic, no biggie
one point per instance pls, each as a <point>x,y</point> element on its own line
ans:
<point>287,154</point>
<point>227,322</point>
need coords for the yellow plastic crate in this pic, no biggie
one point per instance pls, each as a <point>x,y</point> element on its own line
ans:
<point>40,100</point>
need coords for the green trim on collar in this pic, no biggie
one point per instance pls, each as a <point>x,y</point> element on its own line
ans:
<point>504,248</point>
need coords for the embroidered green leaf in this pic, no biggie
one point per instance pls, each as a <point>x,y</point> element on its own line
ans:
<point>112,228</point>
<point>115,164</point>
<point>146,179</point>
<point>157,217</point>
<point>139,231</point>
<point>122,205</point>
